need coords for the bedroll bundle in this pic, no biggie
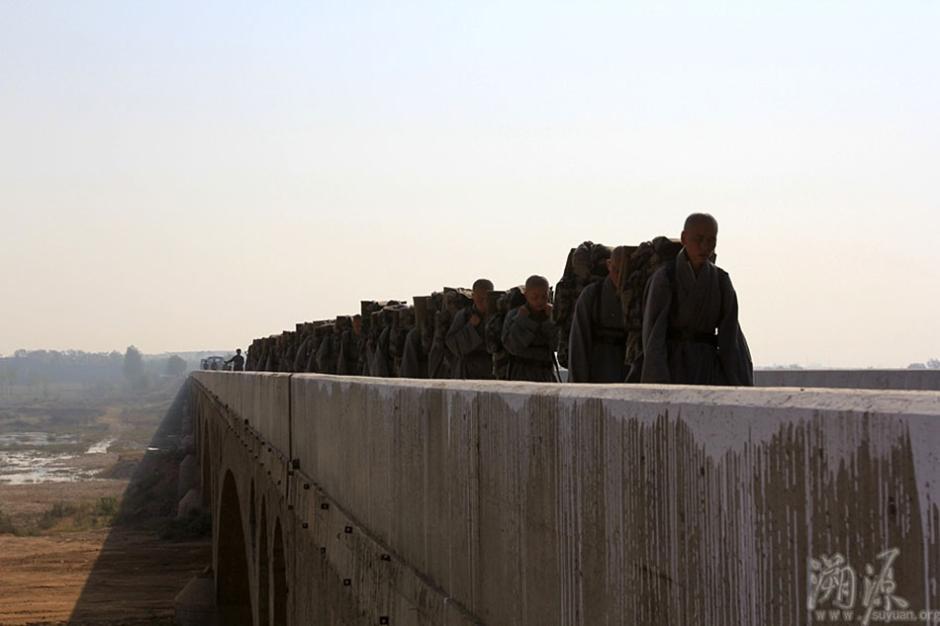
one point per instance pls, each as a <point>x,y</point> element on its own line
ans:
<point>586,264</point>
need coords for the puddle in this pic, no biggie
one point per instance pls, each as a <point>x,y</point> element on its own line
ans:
<point>26,458</point>
<point>33,466</point>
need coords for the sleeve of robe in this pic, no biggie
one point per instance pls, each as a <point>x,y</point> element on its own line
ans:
<point>579,339</point>
<point>463,338</point>
<point>656,329</point>
<point>519,331</point>
<point>733,351</point>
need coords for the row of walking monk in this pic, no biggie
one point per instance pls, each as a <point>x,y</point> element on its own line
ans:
<point>659,312</point>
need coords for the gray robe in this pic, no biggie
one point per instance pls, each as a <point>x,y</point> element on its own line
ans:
<point>597,344</point>
<point>439,355</point>
<point>380,365</point>
<point>680,345</point>
<point>368,353</point>
<point>347,362</point>
<point>414,362</point>
<point>303,354</point>
<point>327,354</point>
<point>313,348</point>
<point>529,339</point>
<point>467,342</point>
<point>438,362</point>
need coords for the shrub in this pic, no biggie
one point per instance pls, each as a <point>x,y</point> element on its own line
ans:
<point>6,525</point>
<point>81,516</point>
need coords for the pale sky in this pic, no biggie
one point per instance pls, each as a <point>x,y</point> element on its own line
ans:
<point>186,175</point>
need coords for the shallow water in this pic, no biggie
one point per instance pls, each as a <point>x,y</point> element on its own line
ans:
<point>32,466</point>
<point>34,440</point>
<point>23,460</point>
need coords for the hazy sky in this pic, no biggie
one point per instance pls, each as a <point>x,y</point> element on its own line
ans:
<point>184,175</point>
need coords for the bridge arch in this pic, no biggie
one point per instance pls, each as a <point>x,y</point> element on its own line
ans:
<point>233,585</point>
<point>206,466</point>
<point>280,576</point>
<point>253,521</point>
<point>264,576</point>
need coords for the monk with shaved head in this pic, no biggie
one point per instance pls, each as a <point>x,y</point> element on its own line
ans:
<point>598,342</point>
<point>465,337</point>
<point>691,333</point>
<point>528,335</point>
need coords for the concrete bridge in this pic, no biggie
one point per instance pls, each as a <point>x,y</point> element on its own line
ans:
<point>386,501</point>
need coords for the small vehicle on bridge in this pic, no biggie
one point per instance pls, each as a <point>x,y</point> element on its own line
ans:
<point>212,363</point>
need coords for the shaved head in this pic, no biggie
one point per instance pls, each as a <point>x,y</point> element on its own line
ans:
<point>481,289</point>
<point>536,281</point>
<point>699,239</point>
<point>536,293</point>
<point>482,284</point>
<point>700,218</point>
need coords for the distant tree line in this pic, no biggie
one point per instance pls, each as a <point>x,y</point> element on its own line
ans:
<point>931,364</point>
<point>34,367</point>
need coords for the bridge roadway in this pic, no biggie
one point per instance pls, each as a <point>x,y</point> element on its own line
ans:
<point>367,501</point>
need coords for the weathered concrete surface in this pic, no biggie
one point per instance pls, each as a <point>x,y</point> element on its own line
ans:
<point>910,380</point>
<point>431,502</point>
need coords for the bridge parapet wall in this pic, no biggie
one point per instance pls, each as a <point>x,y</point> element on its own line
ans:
<point>907,379</point>
<point>580,504</point>
<point>261,398</point>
